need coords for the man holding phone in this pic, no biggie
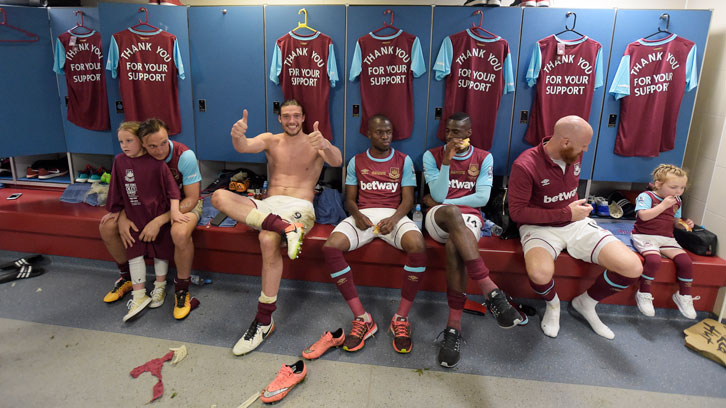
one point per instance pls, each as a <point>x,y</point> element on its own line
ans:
<point>543,201</point>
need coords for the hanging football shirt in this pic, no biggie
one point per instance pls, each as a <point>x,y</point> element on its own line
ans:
<point>567,73</point>
<point>81,56</point>
<point>380,181</point>
<point>387,66</point>
<point>305,65</point>
<point>478,72</point>
<point>651,80</point>
<point>148,64</point>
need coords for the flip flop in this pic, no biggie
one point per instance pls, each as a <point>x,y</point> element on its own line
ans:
<point>20,262</point>
<point>25,271</point>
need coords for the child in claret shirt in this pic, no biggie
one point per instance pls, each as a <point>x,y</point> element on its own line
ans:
<point>658,212</point>
<point>144,189</point>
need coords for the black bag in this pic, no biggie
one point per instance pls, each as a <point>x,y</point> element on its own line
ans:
<point>497,211</point>
<point>700,241</point>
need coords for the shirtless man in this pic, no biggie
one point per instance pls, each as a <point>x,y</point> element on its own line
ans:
<point>543,201</point>
<point>294,160</point>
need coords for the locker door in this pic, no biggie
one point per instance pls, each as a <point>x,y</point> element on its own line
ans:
<point>227,77</point>
<point>502,21</point>
<point>414,20</point>
<point>539,23</point>
<point>116,17</point>
<point>632,25</point>
<point>30,118</point>
<point>330,20</point>
<point>78,139</point>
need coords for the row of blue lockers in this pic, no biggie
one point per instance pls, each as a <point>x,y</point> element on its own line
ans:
<point>227,51</point>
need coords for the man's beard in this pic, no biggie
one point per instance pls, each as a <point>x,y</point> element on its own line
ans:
<point>568,155</point>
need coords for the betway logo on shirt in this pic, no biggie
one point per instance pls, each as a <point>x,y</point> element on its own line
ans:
<point>466,185</point>
<point>560,197</point>
<point>378,185</point>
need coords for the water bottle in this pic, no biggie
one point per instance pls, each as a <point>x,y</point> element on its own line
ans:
<point>263,192</point>
<point>418,217</point>
<point>199,281</point>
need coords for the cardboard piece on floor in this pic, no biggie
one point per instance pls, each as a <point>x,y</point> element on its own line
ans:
<point>708,338</point>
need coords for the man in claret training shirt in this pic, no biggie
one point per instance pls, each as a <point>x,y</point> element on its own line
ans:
<point>543,201</point>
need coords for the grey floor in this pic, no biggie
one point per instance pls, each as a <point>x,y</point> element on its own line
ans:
<point>60,345</point>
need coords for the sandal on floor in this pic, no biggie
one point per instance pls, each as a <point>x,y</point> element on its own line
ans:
<point>25,271</point>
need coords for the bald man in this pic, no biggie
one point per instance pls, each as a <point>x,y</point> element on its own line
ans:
<point>543,201</point>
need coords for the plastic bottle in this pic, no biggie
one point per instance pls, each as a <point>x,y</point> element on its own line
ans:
<point>418,217</point>
<point>263,192</point>
<point>199,281</point>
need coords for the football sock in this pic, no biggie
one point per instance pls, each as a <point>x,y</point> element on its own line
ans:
<point>265,306</point>
<point>340,274</point>
<point>479,273</point>
<point>684,272</point>
<point>182,284</point>
<point>650,267</point>
<point>551,319</point>
<point>412,274</point>
<point>608,284</point>
<point>456,302</point>
<point>161,267</point>
<point>123,269</point>
<point>585,305</point>
<point>137,270</point>
<point>547,291</point>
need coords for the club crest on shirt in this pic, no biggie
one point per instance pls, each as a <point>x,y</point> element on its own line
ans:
<point>395,173</point>
<point>129,177</point>
<point>545,182</point>
<point>473,170</point>
<point>577,169</point>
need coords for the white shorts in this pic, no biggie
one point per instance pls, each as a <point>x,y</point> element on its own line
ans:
<point>472,222</point>
<point>583,239</point>
<point>358,237</point>
<point>290,209</point>
<point>653,243</point>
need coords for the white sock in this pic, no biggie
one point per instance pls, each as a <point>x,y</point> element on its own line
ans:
<point>161,267</point>
<point>585,305</point>
<point>161,284</point>
<point>138,294</point>
<point>551,319</point>
<point>366,317</point>
<point>137,269</point>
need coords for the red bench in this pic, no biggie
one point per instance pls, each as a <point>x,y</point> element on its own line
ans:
<point>38,222</point>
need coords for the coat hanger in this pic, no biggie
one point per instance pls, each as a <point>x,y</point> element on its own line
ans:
<point>389,25</point>
<point>667,19</point>
<point>145,23</point>
<point>479,27</point>
<point>80,25</point>
<point>3,22</point>
<point>574,23</point>
<point>304,24</point>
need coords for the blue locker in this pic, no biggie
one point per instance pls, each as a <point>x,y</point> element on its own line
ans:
<point>227,73</point>
<point>116,17</point>
<point>414,20</point>
<point>539,23</point>
<point>632,25</point>
<point>502,21</point>
<point>78,139</point>
<point>330,20</point>
<point>30,117</point>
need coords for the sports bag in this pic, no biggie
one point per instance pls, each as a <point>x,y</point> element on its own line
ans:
<point>700,241</point>
<point>497,211</point>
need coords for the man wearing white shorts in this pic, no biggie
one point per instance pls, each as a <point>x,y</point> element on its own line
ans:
<point>379,190</point>
<point>543,201</point>
<point>294,160</point>
<point>459,177</point>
